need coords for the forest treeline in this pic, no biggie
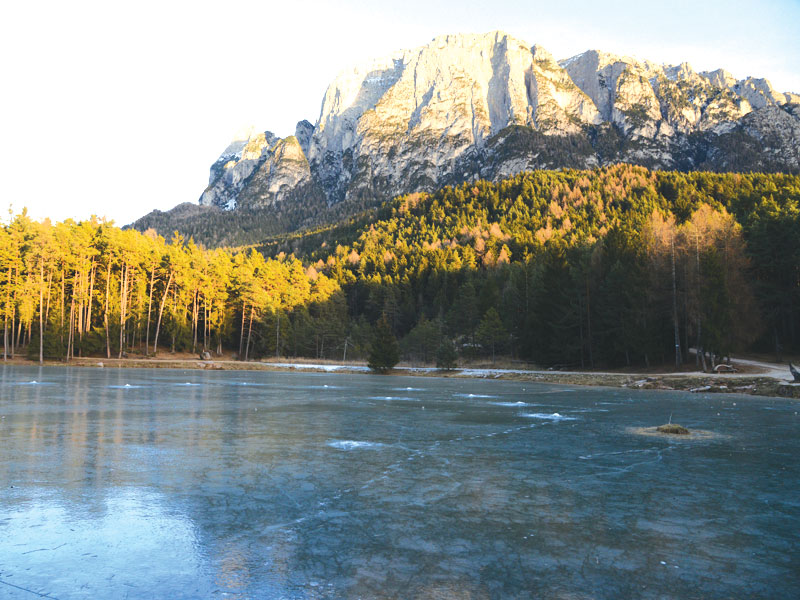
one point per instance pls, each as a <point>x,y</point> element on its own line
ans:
<point>616,266</point>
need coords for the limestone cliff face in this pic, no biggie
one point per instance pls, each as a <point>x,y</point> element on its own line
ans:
<point>468,106</point>
<point>409,120</point>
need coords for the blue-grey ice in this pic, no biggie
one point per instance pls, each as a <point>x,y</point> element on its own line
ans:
<point>269,485</point>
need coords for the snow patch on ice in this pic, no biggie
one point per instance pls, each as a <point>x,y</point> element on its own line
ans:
<point>547,417</point>
<point>354,445</point>
<point>520,403</point>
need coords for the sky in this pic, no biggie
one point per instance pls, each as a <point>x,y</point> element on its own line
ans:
<point>116,108</point>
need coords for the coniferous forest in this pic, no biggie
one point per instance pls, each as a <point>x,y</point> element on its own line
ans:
<point>620,266</point>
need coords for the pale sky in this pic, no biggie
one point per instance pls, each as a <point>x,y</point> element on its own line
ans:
<point>116,108</point>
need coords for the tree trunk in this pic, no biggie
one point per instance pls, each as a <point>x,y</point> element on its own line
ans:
<point>63,301</point>
<point>205,324</point>
<point>41,313</point>
<point>5,317</point>
<point>71,328</point>
<point>161,312</point>
<point>675,306</point>
<point>88,320</point>
<point>241,335</point>
<point>580,328</point>
<point>149,309</point>
<point>195,320</point>
<point>278,335</point>
<point>13,315</point>
<point>47,302</point>
<point>78,282</point>
<point>20,335</point>
<point>249,332</point>
<point>105,317</point>
<point>699,305</point>
<point>123,280</point>
<point>589,323</point>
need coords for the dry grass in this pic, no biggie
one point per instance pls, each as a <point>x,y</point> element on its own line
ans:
<point>693,435</point>
<point>672,429</point>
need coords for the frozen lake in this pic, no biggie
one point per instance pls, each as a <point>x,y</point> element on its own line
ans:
<point>186,484</point>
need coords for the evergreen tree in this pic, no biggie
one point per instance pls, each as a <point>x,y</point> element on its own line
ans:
<point>446,356</point>
<point>385,352</point>
<point>491,331</point>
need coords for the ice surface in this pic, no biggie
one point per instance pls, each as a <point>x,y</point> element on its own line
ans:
<point>258,484</point>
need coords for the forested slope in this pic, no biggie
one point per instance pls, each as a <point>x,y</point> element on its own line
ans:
<point>579,264</point>
<point>609,267</point>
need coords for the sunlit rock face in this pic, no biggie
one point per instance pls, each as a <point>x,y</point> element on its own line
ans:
<point>490,105</point>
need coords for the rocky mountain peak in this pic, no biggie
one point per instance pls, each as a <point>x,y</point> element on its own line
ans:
<point>720,78</point>
<point>489,105</point>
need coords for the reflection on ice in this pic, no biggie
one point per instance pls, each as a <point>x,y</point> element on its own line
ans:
<point>53,542</point>
<point>318,367</point>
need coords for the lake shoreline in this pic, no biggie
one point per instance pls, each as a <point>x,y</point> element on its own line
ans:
<point>747,384</point>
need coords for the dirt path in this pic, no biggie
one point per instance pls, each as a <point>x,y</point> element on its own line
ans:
<point>767,369</point>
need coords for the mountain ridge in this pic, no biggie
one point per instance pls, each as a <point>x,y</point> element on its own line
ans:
<point>486,106</point>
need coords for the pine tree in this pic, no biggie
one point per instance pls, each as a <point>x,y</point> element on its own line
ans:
<point>491,330</point>
<point>447,357</point>
<point>385,351</point>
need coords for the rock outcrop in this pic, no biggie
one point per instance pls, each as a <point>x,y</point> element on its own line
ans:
<point>487,106</point>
